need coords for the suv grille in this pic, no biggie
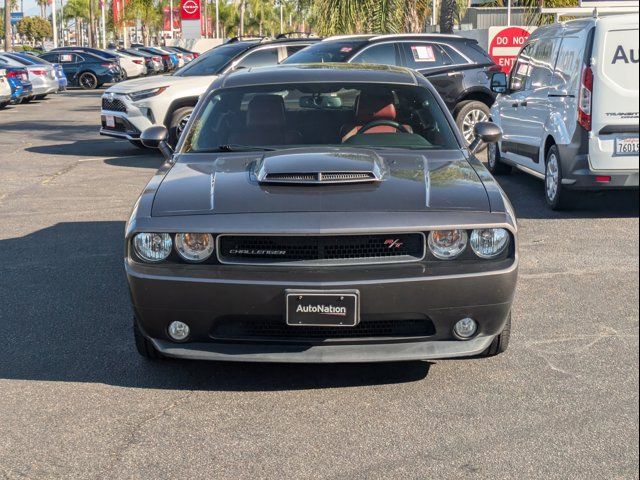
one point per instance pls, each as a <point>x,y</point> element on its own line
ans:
<point>275,329</point>
<point>114,105</point>
<point>321,250</point>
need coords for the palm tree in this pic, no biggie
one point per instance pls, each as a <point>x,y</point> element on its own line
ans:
<point>149,14</point>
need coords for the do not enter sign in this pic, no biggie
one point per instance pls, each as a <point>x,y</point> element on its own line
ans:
<point>190,10</point>
<point>505,44</point>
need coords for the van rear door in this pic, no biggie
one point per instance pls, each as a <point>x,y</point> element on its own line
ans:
<point>614,143</point>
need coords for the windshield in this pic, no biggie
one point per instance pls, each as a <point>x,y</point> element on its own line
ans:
<point>326,52</point>
<point>297,115</point>
<point>212,62</point>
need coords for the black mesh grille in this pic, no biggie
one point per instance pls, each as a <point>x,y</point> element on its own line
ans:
<point>274,329</point>
<point>113,105</point>
<point>351,249</point>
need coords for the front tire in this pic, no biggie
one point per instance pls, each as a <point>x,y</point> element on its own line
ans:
<point>468,114</point>
<point>179,120</point>
<point>555,194</point>
<point>88,81</point>
<point>501,342</point>
<point>494,164</point>
<point>144,347</point>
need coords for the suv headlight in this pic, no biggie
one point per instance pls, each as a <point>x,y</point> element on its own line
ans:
<point>142,94</point>
<point>152,247</point>
<point>194,247</point>
<point>489,242</point>
<point>448,244</point>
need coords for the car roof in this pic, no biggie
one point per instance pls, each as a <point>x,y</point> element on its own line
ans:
<point>319,73</point>
<point>402,36</point>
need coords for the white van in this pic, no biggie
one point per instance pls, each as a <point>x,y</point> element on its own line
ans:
<point>569,109</point>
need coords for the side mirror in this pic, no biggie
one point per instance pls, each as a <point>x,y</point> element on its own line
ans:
<point>485,132</point>
<point>156,137</point>
<point>499,82</point>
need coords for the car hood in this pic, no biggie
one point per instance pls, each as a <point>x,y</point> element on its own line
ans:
<point>146,83</point>
<point>200,184</point>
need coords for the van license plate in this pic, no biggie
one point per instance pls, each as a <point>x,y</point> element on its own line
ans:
<point>627,146</point>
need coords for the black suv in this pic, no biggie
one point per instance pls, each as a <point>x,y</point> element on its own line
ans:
<point>458,67</point>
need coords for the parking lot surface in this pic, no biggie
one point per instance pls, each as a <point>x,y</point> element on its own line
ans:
<point>76,400</point>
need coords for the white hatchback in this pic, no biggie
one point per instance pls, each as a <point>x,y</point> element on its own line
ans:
<point>569,109</point>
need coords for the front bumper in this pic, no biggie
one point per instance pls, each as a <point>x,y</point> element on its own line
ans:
<point>129,123</point>
<point>202,299</point>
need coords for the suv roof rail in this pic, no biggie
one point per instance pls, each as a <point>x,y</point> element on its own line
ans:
<point>420,35</point>
<point>285,35</point>
<point>245,38</point>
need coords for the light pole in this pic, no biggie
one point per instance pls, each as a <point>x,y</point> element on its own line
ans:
<point>171,17</point>
<point>281,17</point>
<point>54,23</point>
<point>103,23</point>
<point>217,19</point>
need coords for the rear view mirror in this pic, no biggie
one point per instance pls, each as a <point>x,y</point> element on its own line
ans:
<point>485,132</point>
<point>499,82</point>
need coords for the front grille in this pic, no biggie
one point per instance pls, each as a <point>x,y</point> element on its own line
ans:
<point>113,105</point>
<point>275,329</point>
<point>321,250</point>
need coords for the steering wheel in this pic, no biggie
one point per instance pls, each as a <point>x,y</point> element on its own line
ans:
<point>383,123</point>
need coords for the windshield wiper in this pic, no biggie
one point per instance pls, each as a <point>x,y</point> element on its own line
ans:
<point>243,148</point>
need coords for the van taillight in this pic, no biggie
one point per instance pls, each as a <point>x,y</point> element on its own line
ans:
<point>586,98</point>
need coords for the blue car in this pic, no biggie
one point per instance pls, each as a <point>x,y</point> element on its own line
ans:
<point>84,69</point>
<point>60,76</point>
<point>18,78</point>
<point>96,51</point>
<point>169,60</point>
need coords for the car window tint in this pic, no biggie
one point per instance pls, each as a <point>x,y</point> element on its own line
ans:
<point>543,60</point>
<point>455,56</point>
<point>569,64</point>
<point>327,52</point>
<point>51,57</point>
<point>420,55</point>
<point>381,54</point>
<point>292,49</point>
<point>260,58</point>
<point>213,61</point>
<point>476,53</point>
<point>521,70</point>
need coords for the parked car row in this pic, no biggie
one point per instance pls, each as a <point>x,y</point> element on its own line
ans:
<point>29,77</point>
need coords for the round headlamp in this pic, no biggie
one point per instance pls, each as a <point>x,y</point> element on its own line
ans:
<point>152,247</point>
<point>489,242</point>
<point>194,247</point>
<point>448,244</point>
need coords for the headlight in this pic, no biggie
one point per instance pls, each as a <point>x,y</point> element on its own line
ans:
<point>152,247</point>
<point>194,247</point>
<point>142,94</point>
<point>489,242</point>
<point>448,244</point>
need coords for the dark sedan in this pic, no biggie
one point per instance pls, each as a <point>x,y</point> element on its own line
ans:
<point>321,213</point>
<point>84,69</point>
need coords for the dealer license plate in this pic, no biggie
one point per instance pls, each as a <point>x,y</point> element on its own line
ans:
<point>323,308</point>
<point>110,121</point>
<point>627,146</point>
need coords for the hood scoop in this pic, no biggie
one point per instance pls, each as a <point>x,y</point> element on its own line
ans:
<point>320,166</point>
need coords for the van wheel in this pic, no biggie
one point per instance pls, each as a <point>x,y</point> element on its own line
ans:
<point>501,342</point>
<point>144,346</point>
<point>179,120</point>
<point>494,165</point>
<point>468,115</point>
<point>554,192</point>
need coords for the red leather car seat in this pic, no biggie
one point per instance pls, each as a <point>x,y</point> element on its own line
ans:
<point>370,107</point>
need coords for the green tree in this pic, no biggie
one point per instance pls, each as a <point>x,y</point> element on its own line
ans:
<point>148,12</point>
<point>78,11</point>
<point>34,28</point>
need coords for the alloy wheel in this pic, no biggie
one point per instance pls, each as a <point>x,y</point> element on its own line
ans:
<point>472,118</point>
<point>88,81</point>
<point>552,177</point>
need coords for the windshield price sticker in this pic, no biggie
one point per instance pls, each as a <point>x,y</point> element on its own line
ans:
<point>423,53</point>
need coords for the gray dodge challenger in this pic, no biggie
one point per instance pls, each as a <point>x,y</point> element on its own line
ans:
<point>321,213</point>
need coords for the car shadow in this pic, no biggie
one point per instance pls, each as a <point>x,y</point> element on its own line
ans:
<point>526,193</point>
<point>66,317</point>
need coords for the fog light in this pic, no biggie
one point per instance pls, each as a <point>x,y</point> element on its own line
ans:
<point>178,331</point>
<point>465,328</point>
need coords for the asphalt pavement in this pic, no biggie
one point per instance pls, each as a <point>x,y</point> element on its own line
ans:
<point>76,400</point>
